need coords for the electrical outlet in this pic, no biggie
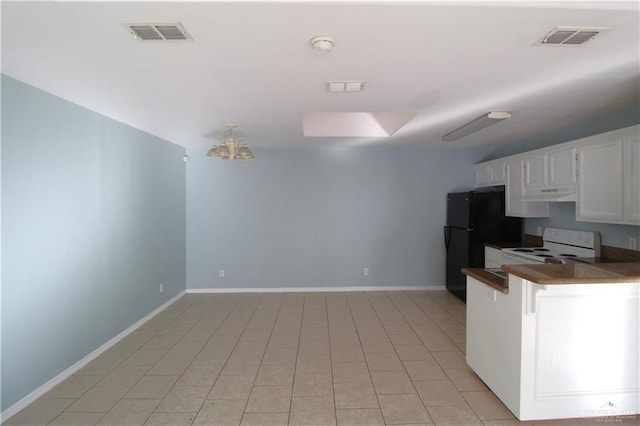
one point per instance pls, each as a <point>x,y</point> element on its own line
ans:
<point>539,230</point>
<point>366,272</point>
<point>161,287</point>
<point>633,243</point>
<point>221,273</point>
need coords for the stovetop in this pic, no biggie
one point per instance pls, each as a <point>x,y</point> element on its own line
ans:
<point>561,245</point>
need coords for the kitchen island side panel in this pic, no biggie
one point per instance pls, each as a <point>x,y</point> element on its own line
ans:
<point>557,351</point>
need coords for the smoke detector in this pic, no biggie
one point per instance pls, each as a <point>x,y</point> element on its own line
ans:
<point>322,44</point>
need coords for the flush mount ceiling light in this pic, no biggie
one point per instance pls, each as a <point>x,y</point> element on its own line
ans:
<point>476,125</point>
<point>322,44</point>
<point>230,148</point>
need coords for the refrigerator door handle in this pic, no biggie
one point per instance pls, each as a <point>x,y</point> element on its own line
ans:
<point>447,237</point>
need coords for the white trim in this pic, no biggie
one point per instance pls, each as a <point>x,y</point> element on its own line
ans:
<point>314,289</point>
<point>24,402</point>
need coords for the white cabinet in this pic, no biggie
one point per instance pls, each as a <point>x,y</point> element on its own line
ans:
<point>600,183</point>
<point>490,173</point>
<point>604,168</point>
<point>483,174</point>
<point>513,194</point>
<point>609,177</point>
<point>514,203</point>
<point>550,168</point>
<point>562,166</point>
<point>492,257</point>
<point>535,171</point>
<point>498,172</point>
<point>544,353</point>
<point>631,150</point>
<point>493,344</point>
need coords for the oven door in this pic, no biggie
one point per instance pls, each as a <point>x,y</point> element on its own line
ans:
<point>513,259</point>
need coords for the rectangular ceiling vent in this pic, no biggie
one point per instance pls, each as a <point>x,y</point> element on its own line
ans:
<point>570,36</point>
<point>159,31</point>
<point>344,86</point>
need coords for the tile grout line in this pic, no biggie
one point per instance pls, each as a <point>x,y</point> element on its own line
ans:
<point>218,300</point>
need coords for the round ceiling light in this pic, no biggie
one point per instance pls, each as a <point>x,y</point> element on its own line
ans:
<point>322,44</point>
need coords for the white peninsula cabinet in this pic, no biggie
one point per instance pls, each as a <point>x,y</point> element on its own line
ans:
<point>557,351</point>
<point>608,177</point>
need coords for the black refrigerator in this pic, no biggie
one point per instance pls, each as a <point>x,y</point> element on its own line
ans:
<point>474,218</point>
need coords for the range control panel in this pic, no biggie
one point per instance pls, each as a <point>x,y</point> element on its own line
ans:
<point>585,239</point>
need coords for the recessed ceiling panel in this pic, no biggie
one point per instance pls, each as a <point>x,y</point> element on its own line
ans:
<point>353,124</point>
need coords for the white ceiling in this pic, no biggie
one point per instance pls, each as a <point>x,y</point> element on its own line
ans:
<point>251,63</point>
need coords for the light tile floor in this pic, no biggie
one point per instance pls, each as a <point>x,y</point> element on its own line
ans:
<point>368,358</point>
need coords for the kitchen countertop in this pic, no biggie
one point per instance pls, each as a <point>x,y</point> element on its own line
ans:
<point>492,280</point>
<point>577,273</point>
<point>558,274</point>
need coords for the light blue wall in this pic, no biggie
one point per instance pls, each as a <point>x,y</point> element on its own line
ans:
<point>93,219</point>
<point>563,215</point>
<point>317,217</point>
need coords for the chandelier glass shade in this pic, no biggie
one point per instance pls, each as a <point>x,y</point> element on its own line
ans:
<point>231,148</point>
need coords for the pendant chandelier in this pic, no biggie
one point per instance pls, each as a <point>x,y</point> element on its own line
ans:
<point>231,148</point>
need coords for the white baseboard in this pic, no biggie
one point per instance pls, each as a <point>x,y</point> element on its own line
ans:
<point>313,289</point>
<point>24,402</point>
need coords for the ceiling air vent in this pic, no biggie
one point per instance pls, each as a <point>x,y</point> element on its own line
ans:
<point>158,31</point>
<point>570,36</point>
<point>344,86</point>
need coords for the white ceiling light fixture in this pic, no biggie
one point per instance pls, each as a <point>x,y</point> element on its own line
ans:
<point>231,148</point>
<point>476,125</point>
<point>322,44</point>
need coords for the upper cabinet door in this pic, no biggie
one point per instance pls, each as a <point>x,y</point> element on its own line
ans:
<point>631,151</point>
<point>562,166</point>
<point>600,191</point>
<point>535,171</point>
<point>483,174</point>
<point>514,203</point>
<point>550,168</point>
<point>498,171</point>
<point>491,173</point>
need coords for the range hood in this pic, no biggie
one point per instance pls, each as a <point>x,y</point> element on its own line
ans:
<point>556,194</point>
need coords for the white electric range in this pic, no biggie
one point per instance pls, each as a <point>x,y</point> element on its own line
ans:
<point>559,246</point>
